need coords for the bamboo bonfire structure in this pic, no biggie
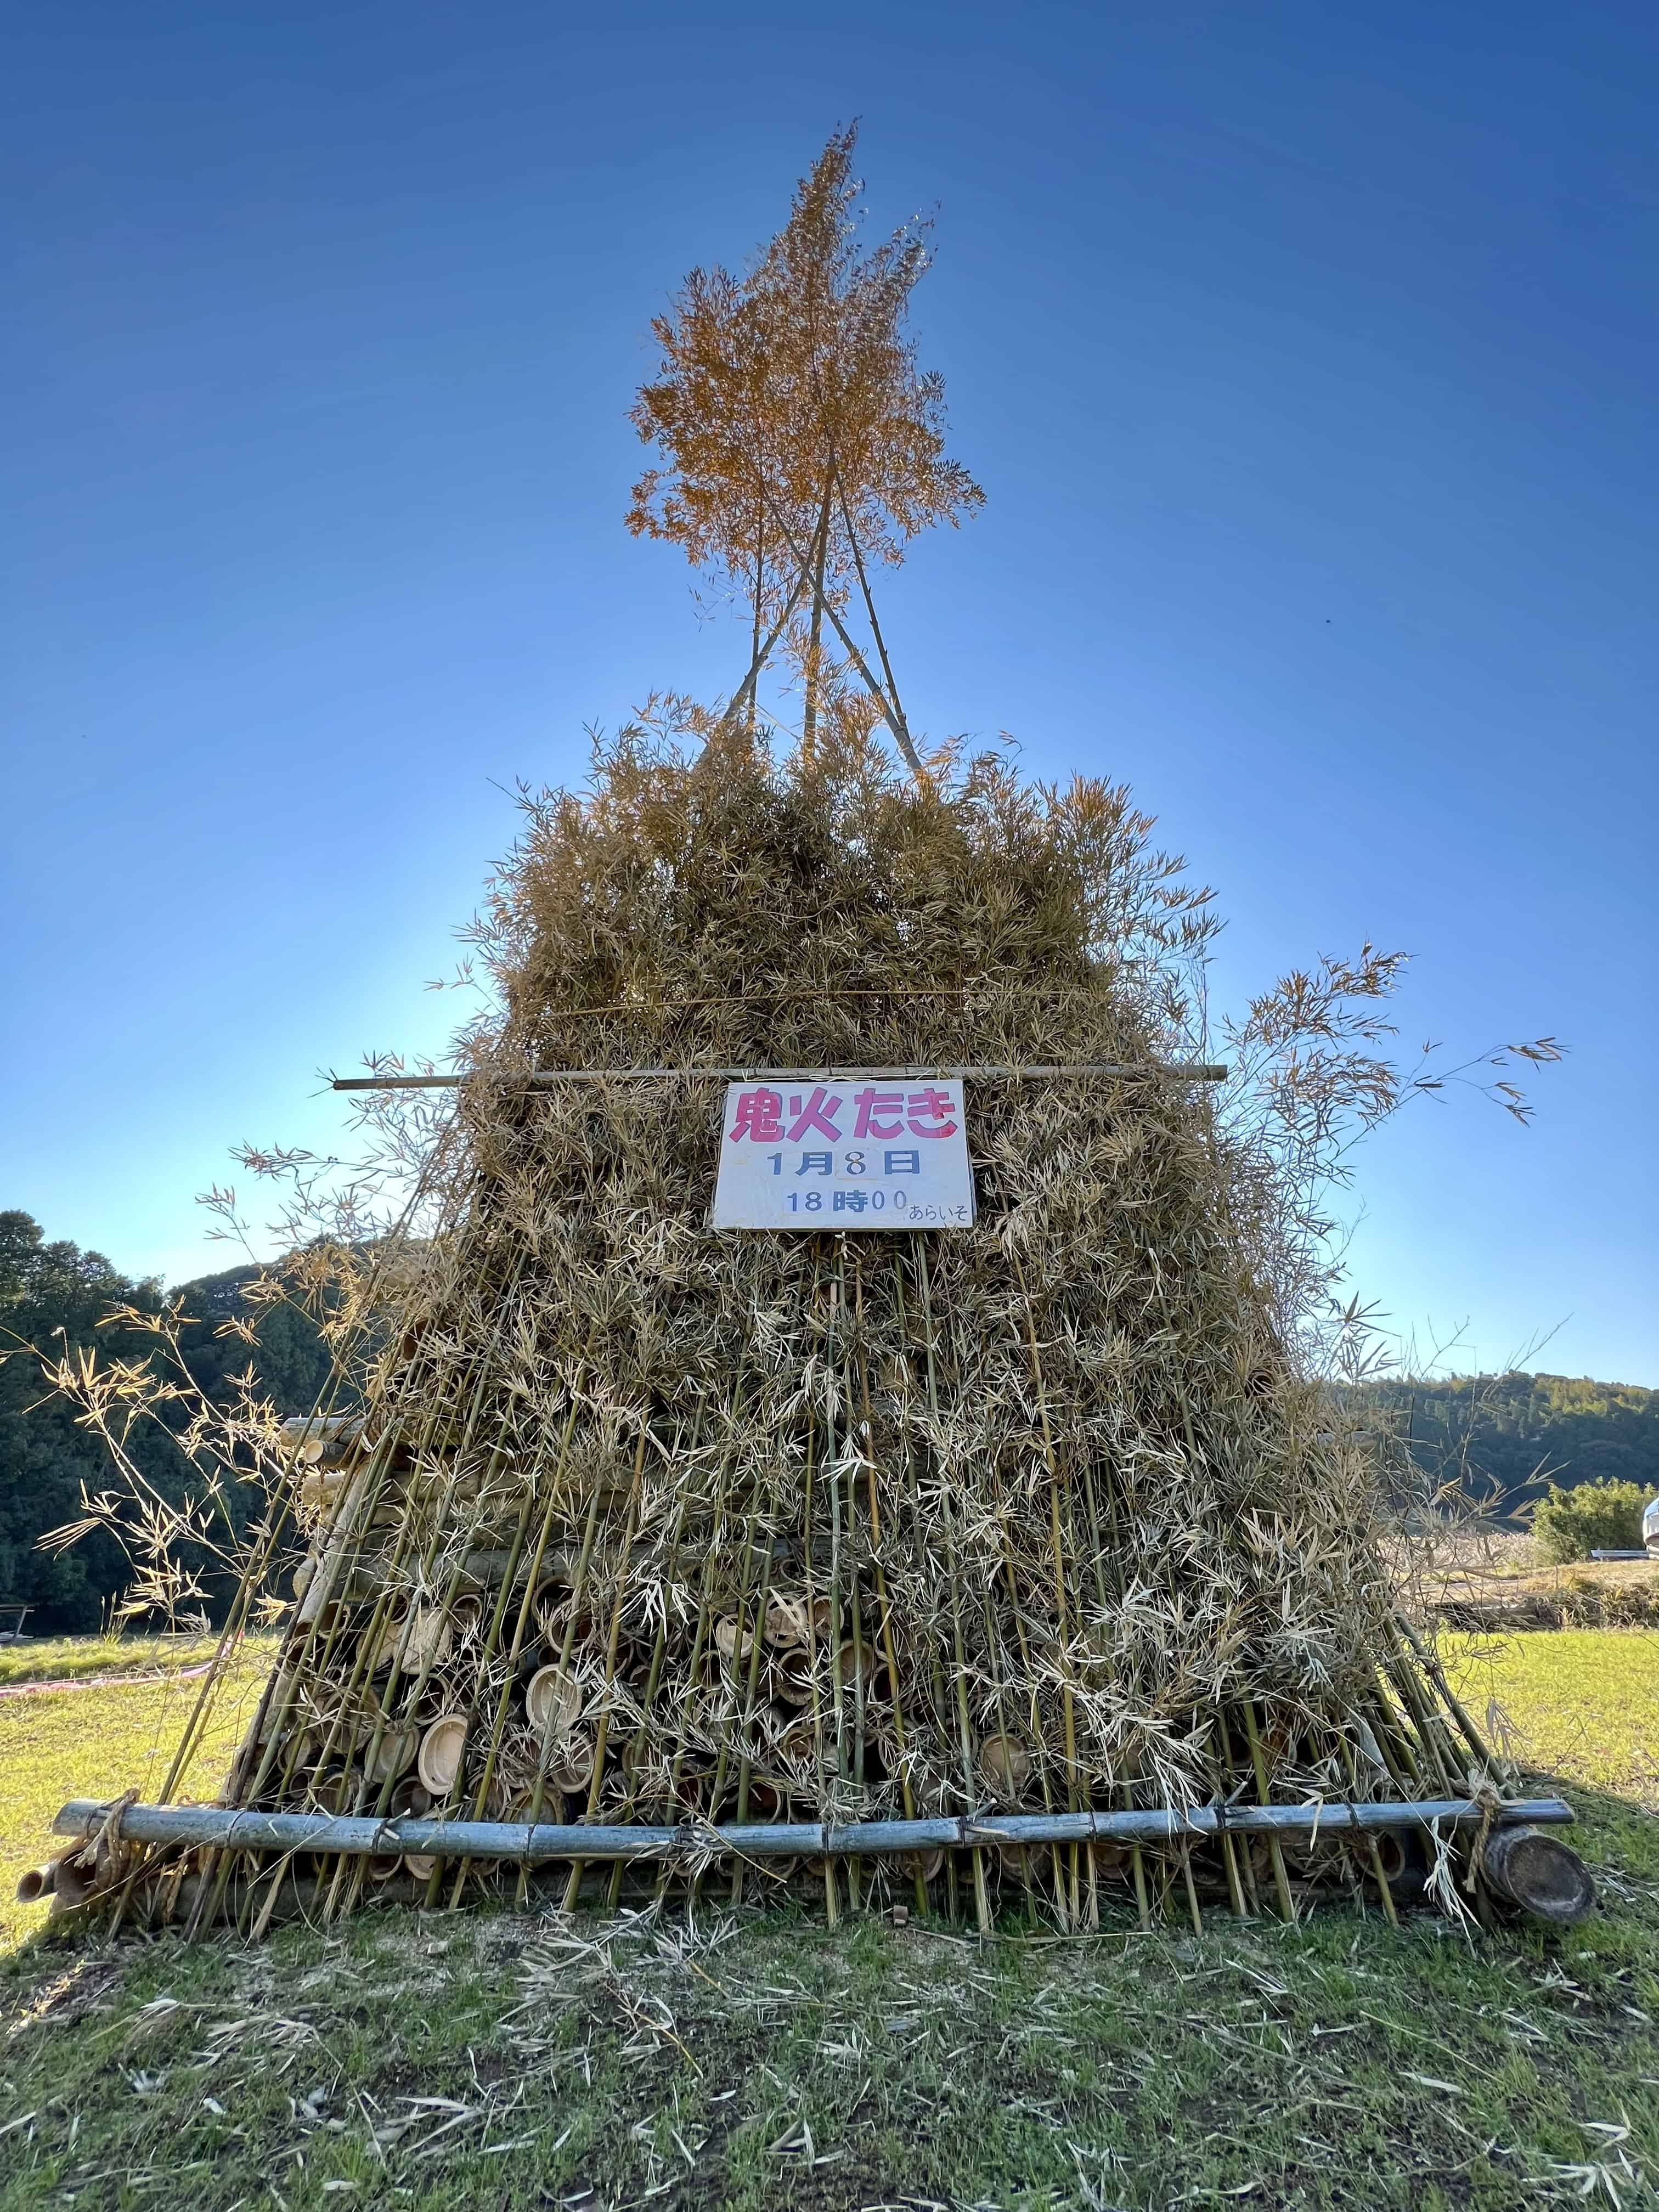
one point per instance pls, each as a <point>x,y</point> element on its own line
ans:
<point>1014,1567</point>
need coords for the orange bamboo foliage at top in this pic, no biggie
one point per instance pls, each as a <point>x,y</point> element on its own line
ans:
<point>799,437</point>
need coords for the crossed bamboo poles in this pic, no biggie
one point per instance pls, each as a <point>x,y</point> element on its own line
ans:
<point>810,577</point>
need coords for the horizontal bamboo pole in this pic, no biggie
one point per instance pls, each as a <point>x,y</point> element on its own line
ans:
<point>192,1825</point>
<point>1169,1071</point>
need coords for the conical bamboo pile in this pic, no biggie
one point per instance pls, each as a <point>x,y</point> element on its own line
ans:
<point>638,1526</point>
<point>638,1522</point>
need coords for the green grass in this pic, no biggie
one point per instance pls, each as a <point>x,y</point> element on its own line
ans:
<point>1584,1702</point>
<point>96,1742</point>
<point>486,2060</point>
<point>77,1658</point>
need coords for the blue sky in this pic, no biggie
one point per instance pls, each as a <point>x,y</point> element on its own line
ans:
<point>1306,357</point>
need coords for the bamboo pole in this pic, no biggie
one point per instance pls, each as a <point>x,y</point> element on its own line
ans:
<point>889,699</point>
<point>763,652</point>
<point>953,1582</point>
<point>1281,1880</point>
<point>831,1890</point>
<point>658,1645</point>
<point>602,1733</point>
<point>731,1667</point>
<point>225,1828</point>
<point>1435,1674</point>
<point>1379,1873</point>
<point>1171,1071</point>
<point>883,1604</point>
<point>814,649</point>
<point>1062,1612</point>
<point>532,1574</point>
<point>890,714</point>
<point>750,1693</point>
<point>700,1635</point>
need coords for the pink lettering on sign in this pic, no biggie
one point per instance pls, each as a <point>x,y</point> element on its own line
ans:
<point>816,1116</point>
<point>880,1113</point>
<point>925,1106</point>
<point>759,1115</point>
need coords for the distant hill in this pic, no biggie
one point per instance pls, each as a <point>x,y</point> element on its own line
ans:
<point>54,1296</point>
<point>1518,1432</point>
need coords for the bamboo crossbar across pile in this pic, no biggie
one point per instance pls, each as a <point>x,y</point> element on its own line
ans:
<point>1195,1071</point>
<point>529,1844</point>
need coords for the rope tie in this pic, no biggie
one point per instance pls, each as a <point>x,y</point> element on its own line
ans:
<point>1490,1804</point>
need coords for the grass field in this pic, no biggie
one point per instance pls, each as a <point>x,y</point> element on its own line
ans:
<point>485,2060</point>
<point>82,1658</point>
<point>1584,1703</point>
<point>95,1741</point>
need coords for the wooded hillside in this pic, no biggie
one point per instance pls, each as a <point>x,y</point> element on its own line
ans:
<point>1514,1433</point>
<point>53,1297</point>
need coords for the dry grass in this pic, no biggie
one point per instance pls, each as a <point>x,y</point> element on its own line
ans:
<point>1589,1594</point>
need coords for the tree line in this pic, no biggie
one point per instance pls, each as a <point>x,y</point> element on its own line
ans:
<point>1504,1438</point>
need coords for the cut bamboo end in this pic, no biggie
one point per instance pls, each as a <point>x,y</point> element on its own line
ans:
<point>394,1754</point>
<point>409,1801</point>
<point>792,1675</point>
<point>860,1667</point>
<point>768,1800</point>
<point>570,1767</point>
<point>416,1643</point>
<point>310,1440</point>
<point>74,1878</point>
<point>1543,1875</point>
<point>798,1746</point>
<point>440,1753</point>
<point>790,1620</point>
<point>732,1638</point>
<point>553,1701</point>
<point>1005,1764</point>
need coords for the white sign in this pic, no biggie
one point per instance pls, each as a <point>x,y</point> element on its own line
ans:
<point>870,1151</point>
